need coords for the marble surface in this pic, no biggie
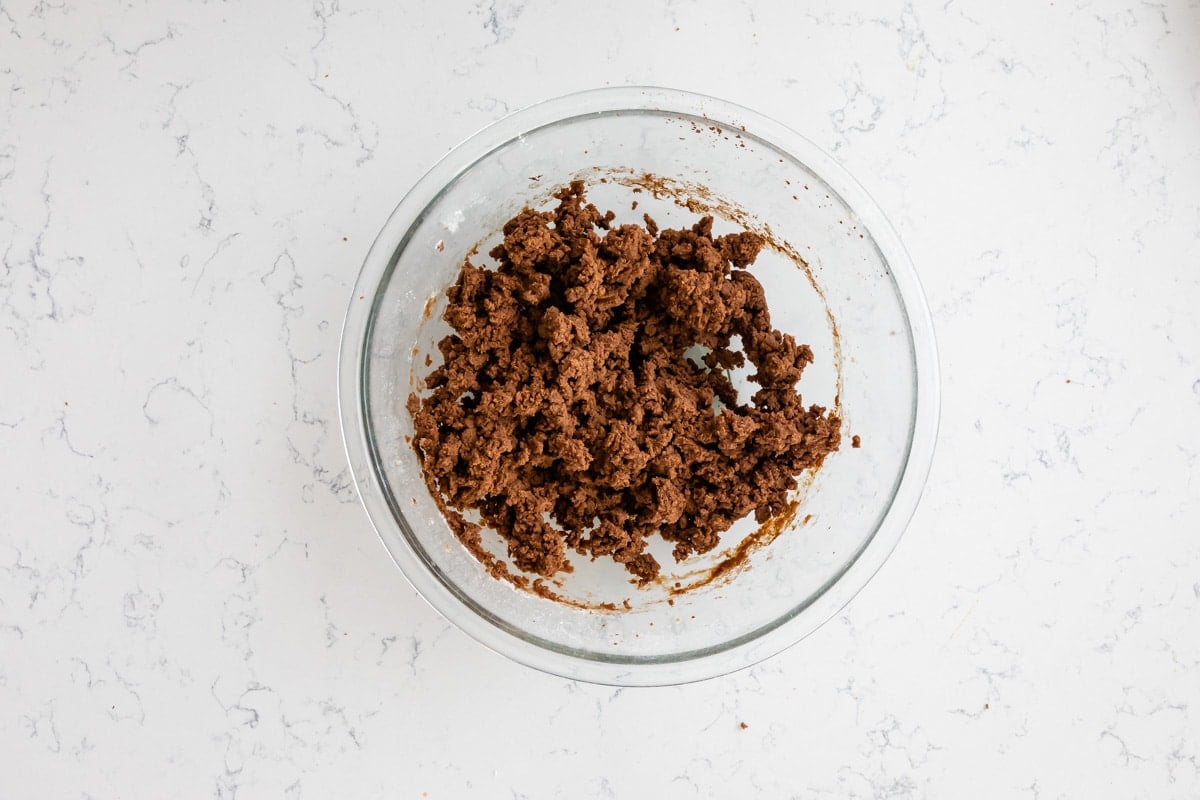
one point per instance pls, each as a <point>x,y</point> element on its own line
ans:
<point>192,602</point>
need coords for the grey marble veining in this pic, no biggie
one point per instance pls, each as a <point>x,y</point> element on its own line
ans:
<point>193,604</point>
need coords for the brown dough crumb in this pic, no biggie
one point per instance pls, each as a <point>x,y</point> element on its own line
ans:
<point>651,225</point>
<point>743,725</point>
<point>567,414</point>
<point>856,441</point>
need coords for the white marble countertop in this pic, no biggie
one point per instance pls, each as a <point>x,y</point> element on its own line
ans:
<point>192,601</point>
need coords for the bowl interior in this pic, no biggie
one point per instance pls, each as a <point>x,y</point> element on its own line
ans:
<point>840,298</point>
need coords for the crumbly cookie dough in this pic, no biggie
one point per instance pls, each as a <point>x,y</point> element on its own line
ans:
<point>566,413</point>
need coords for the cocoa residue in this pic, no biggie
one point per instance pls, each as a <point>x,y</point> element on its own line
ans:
<point>737,558</point>
<point>584,401</point>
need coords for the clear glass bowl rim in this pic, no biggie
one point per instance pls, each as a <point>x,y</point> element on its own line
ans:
<point>803,620</point>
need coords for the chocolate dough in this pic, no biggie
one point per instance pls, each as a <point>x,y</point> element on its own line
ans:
<point>568,415</point>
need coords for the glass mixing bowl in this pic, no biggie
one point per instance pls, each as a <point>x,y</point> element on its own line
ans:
<point>837,278</point>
